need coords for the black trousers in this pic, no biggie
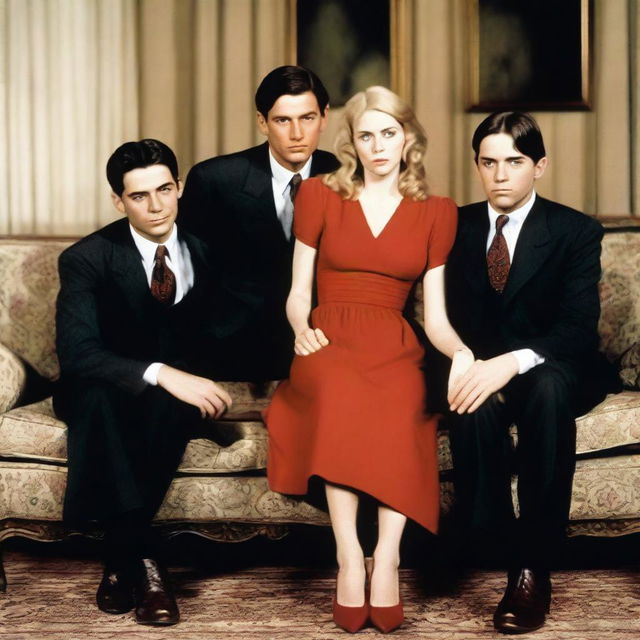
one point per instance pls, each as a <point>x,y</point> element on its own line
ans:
<point>123,450</point>
<point>543,403</point>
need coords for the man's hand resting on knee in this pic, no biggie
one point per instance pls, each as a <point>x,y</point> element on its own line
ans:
<point>483,378</point>
<point>206,395</point>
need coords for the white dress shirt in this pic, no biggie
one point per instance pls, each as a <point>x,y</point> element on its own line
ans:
<point>280,179</point>
<point>527,358</point>
<point>179,261</point>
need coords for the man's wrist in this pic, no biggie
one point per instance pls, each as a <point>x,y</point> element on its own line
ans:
<point>527,359</point>
<point>150,376</point>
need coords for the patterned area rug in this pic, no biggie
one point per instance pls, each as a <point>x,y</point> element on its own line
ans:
<point>51,596</point>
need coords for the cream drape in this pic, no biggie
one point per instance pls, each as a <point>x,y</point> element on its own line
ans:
<point>78,77</point>
<point>68,97</point>
<point>205,59</point>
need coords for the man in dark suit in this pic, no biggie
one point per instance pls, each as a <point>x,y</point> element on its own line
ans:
<point>522,292</point>
<point>241,205</point>
<point>131,309</point>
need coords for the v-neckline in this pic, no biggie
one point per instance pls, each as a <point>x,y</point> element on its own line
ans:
<point>386,224</point>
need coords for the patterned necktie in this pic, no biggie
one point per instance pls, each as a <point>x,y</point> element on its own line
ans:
<point>163,280</point>
<point>287,215</point>
<point>498,261</point>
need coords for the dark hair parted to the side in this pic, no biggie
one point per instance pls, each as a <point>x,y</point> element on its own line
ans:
<point>289,80</point>
<point>138,155</point>
<point>522,127</point>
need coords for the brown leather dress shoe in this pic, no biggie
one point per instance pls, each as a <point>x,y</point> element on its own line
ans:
<point>155,602</point>
<point>115,591</point>
<point>525,603</point>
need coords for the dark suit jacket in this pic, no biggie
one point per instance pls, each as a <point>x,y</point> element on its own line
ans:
<point>228,203</point>
<point>550,303</point>
<point>109,326</point>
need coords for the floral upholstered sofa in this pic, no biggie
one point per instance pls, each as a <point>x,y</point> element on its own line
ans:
<point>220,490</point>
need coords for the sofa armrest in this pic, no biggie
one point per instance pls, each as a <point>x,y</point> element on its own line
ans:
<point>13,376</point>
<point>630,367</point>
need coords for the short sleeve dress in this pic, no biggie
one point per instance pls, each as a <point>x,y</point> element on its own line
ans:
<point>354,413</point>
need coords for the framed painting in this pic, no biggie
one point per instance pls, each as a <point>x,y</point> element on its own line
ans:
<point>529,55</point>
<point>351,44</point>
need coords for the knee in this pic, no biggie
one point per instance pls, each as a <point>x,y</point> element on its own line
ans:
<point>550,387</point>
<point>82,398</point>
<point>487,425</point>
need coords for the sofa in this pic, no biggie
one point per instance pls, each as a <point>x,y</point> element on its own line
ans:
<point>220,490</point>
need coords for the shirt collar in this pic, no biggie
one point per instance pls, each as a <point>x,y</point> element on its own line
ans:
<point>282,176</point>
<point>147,248</point>
<point>517,216</point>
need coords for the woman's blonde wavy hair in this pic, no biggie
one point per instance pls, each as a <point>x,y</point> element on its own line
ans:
<point>348,180</point>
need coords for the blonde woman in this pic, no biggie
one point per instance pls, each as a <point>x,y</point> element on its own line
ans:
<point>353,411</point>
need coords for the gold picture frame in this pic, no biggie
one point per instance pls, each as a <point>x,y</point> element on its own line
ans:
<point>398,53</point>
<point>529,55</point>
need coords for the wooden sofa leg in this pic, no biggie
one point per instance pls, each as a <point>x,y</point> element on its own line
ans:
<point>3,577</point>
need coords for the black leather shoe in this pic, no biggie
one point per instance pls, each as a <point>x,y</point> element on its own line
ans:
<point>115,592</point>
<point>525,603</point>
<point>155,602</point>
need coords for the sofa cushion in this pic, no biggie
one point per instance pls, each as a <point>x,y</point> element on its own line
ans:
<point>612,424</point>
<point>606,488</point>
<point>603,488</point>
<point>249,399</point>
<point>615,422</point>
<point>33,432</point>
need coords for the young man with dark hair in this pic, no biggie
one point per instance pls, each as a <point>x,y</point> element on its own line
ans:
<point>522,292</point>
<point>130,314</point>
<point>241,205</point>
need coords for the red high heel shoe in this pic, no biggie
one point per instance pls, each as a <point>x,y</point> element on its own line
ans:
<point>352,619</point>
<point>385,619</point>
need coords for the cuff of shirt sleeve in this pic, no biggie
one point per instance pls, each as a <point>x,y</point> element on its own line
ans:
<point>527,359</point>
<point>150,375</point>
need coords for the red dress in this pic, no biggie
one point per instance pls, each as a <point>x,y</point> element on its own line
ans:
<point>354,412</point>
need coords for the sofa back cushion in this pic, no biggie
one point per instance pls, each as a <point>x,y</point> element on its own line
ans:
<point>29,276</point>
<point>620,291</point>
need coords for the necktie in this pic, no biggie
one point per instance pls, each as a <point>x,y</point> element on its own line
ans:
<point>287,214</point>
<point>294,185</point>
<point>163,280</point>
<point>498,262</point>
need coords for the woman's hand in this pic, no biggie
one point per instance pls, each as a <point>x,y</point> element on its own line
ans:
<point>460,364</point>
<point>309,341</point>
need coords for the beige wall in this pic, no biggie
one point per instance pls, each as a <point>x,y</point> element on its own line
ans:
<point>589,152</point>
<point>202,59</point>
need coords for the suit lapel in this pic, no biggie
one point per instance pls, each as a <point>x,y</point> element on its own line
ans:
<point>261,216</point>
<point>199,259</point>
<point>258,181</point>
<point>472,240</point>
<point>532,250</point>
<point>128,271</point>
